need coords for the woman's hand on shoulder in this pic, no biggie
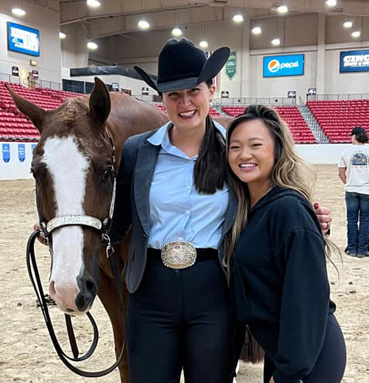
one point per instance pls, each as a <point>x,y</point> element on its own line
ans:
<point>324,217</point>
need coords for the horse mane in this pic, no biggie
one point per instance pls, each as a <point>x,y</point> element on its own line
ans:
<point>69,113</point>
<point>71,110</point>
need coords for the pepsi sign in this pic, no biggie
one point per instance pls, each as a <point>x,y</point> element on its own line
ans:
<point>354,61</point>
<point>288,65</point>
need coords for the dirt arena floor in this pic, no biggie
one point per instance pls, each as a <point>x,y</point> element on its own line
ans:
<point>26,353</point>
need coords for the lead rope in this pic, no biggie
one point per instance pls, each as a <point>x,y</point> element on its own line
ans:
<point>37,285</point>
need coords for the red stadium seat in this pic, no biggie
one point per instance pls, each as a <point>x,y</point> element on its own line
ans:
<point>337,118</point>
<point>13,124</point>
<point>290,114</point>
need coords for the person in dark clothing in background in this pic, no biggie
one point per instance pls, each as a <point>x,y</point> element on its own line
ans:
<point>276,254</point>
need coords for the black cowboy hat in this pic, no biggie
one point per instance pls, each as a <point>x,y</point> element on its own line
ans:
<point>182,65</point>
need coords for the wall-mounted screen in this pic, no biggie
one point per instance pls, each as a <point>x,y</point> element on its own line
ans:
<point>287,65</point>
<point>23,39</point>
<point>354,61</point>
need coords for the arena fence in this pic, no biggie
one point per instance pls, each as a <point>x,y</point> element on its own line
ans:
<point>87,87</point>
<point>338,97</point>
<point>254,100</point>
<point>30,83</point>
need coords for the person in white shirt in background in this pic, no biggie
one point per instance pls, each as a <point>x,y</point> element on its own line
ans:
<point>353,170</point>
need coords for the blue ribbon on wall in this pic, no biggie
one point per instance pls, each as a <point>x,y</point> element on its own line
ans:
<point>33,147</point>
<point>21,152</point>
<point>6,152</point>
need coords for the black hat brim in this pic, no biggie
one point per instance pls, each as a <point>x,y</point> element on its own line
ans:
<point>214,64</point>
<point>146,77</point>
<point>211,68</point>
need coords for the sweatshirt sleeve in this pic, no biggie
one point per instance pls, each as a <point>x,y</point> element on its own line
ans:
<point>122,219</point>
<point>304,305</point>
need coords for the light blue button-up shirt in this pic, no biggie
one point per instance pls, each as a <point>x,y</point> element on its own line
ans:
<point>177,211</point>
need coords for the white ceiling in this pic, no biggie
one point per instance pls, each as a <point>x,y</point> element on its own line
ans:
<point>120,17</point>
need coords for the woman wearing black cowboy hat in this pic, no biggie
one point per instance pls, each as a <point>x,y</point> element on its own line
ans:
<point>179,315</point>
<point>171,188</point>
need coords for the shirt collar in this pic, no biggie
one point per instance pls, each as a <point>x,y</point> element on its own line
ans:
<point>161,137</point>
<point>157,138</point>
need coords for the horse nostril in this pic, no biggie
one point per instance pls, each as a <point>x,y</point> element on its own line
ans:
<point>91,287</point>
<point>87,294</point>
<point>80,302</point>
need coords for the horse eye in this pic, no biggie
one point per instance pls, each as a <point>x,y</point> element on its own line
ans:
<point>107,174</point>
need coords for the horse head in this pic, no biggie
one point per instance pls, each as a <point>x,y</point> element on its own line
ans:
<point>73,168</point>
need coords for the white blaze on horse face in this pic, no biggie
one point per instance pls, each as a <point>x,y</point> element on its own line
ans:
<point>68,168</point>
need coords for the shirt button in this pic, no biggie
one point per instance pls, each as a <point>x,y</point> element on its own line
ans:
<point>188,212</point>
<point>188,187</point>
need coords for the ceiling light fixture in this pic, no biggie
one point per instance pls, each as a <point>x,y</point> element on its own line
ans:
<point>356,34</point>
<point>203,44</point>
<point>62,35</point>
<point>256,30</point>
<point>177,32</point>
<point>18,12</point>
<point>348,24</point>
<point>92,46</point>
<point>93,3</point>
<point>282,9</point>
<point>276,42</point>
<point>238,18</point>
<point>331,3</point>
<point>143,24</point>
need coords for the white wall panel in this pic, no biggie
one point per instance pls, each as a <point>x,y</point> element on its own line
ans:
<point>15,169</point>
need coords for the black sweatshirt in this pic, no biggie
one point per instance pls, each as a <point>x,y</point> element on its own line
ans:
<point>280,282</point>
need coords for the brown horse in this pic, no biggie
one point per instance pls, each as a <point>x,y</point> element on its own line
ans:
<point>72,166</point>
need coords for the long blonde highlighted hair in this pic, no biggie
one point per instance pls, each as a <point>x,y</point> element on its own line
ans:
<point>289,171</point>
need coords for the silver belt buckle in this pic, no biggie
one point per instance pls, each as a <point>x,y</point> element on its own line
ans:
<point>178,255</point>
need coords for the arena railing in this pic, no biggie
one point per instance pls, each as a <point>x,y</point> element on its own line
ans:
<point>30,83</point>
<point>337,97</point>
<point>49,84</point>
<point>10,78</point>
<point>234,101</point>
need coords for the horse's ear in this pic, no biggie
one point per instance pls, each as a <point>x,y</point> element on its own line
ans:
<point>99,102</point>
<point>32,111</point>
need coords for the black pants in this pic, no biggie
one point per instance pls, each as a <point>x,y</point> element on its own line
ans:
<point>331,362</point>
<point>180,319</point>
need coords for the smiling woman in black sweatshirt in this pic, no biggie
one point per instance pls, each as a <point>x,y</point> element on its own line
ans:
<point>276,255</point>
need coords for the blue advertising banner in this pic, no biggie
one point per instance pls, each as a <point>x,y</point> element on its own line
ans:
<point>33,147</point>
<point>21,152</point>
<point>23,39</point>
<point>287,65</point>
<point>354,61</point>
<point>6,152</point>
